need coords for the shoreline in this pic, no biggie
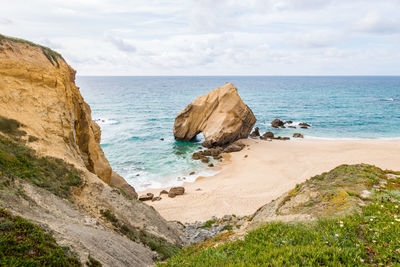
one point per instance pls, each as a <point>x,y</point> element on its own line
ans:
<point>270,169</point>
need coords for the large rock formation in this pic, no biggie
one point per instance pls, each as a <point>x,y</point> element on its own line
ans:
<point>220,115</point>
<point>37,88</point>
<point>40,106</point>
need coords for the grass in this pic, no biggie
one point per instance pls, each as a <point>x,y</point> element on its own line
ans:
<point>208,224</point>
<point>24,244</point>
<point>11,127</point>
<point>20,162</point>
<point>51,55</point>
<point>370,237</point>
<point>163,248</point>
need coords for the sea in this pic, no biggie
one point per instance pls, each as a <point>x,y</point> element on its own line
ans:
<point>136,115</point>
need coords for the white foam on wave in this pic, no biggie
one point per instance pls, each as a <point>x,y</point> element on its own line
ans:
<point>104,121</point>
<point>172,181</point>
<point>294,123</point>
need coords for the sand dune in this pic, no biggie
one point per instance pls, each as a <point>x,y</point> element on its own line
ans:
<point>270,169</point>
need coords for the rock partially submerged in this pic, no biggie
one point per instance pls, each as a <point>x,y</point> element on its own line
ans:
<point>220,115</point>
<point>255,133</point>
<point>298,135</point>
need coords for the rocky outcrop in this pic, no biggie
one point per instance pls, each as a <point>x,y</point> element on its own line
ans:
<point>277,123</point>
<point>37,88</point>
<point>255,133</point>
<point>41,106</point>
<point>220,115</point>
<point>119,182</point>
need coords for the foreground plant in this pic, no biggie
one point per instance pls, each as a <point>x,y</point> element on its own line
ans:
<point>368,237</point>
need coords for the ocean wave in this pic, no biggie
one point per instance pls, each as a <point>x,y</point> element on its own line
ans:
<point>104,121</point>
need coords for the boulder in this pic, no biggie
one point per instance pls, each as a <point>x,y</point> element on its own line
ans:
<point>119,182</point>
<point>210,165</point>
<point>304,125</point>
<point>235,147</point>
<point>205,160</point>
<point>191,173</point>
<point>255,133</point>
<point>267,135</point>
<point>148,196</point>
<point>277,123</point>
<point>220,115</point>
<point>156,199</point>
<point>298,135</point>
<point>288,122</point>
<point>176,191</point>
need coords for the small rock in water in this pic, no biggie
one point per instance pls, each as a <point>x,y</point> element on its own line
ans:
<point>200,147</point>
<point>288,122</point>
<point>304,124</point>
<point>210,165</point>
<point>191,173</point>
<point>298,135</point>
<point>293,127</point>
<point>162,139</point>
<point>176,191</point>
<point>205,160</point>
<point>277,123</point>
<point>138,174</point>
<point>255,133</point>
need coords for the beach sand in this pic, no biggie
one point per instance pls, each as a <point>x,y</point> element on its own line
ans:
<point>270,169</point>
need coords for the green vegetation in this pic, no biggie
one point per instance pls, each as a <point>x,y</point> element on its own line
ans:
<point>10,127</point>
<point>158,244</point>
<point>24,244</point>
<point>51,55</point>
<point>19,161</point>
<point>92,262</point>
<point>370,237</point>
<point>208,224</point>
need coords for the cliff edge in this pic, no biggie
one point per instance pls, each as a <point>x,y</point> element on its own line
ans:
<point>37,88</point>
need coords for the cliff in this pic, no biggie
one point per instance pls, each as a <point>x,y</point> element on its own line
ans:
<point>37,88</point>
<point>87,207</point>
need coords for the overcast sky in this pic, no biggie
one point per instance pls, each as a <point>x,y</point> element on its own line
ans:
<point>213,37</point>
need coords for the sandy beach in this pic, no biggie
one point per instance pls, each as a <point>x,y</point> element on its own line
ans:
<point>270,169</point>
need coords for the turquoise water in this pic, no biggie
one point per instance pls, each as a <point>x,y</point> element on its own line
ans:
<point>136,112</point>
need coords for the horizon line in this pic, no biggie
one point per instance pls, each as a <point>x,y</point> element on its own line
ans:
<point>242,75</point>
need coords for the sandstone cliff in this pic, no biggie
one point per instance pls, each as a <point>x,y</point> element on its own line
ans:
<point>220,115</point>
<point>37,88</point>
<point>41,107</point>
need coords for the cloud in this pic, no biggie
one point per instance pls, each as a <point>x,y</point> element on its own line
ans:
<point>379,24</point>
<point>209,37</point>
<point>5,21</point>
<point>120,43</point>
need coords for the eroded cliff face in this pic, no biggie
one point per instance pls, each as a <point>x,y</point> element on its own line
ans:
<point>37,88</point>
<point>40,106</point>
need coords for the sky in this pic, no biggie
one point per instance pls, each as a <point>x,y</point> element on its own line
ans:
<point>213,37</point>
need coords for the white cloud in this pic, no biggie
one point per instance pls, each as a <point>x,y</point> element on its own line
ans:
<point>208,37</point>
